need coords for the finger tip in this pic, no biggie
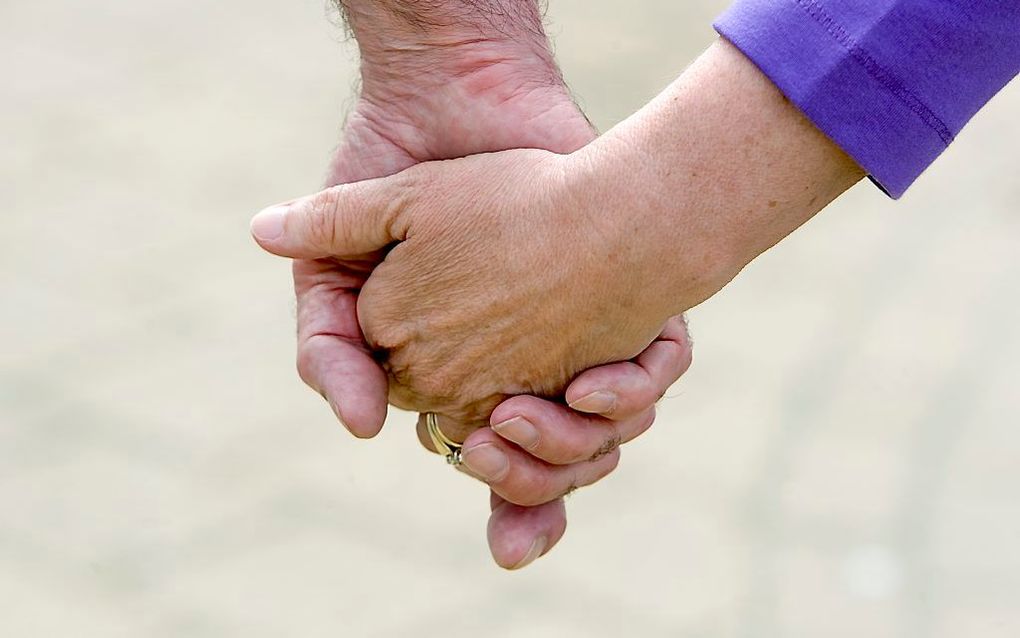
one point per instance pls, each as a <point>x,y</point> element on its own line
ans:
<point>537,549</point>
<point>268,224</point>
<point>519,405</point>
<point>363,424</point>
<point>589,383</point>
<point>518,536</point>
<point>365,434</point>
<point>512,554</point>
<point>598,402</point>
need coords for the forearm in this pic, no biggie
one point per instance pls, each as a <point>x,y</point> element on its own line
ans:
<point>441,21</point>
<point>727,165</point>
<point>403,40</point>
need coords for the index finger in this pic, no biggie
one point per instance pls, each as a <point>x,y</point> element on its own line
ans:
<point>623,390</point>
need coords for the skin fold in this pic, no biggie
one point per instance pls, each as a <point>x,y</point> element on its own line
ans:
<point>434,87</point>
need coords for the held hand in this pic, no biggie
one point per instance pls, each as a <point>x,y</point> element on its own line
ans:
<point>515,532</point>
<point>568,440</point>
<point>459,304</point>
<point>429,104</point>
<point>489,100</point>
<point>538,450</point>
<point>720,187</point>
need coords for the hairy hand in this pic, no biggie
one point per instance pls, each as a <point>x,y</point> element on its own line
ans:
<point>482,97</point>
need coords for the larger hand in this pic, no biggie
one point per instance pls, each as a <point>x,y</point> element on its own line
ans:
<point>477,97</point>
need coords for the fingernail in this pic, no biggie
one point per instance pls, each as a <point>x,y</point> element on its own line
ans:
<point>536,550</point>
<point>487,461</point>
<point>268,224</point>
<point>596,403</point>
<point>520,431</point>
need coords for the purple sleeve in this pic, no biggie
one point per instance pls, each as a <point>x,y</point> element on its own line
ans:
<point>890,81</point>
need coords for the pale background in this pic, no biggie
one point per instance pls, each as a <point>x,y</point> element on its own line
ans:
<point>841,461</point>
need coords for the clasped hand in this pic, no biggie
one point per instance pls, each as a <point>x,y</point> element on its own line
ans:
<point>489,286</point>
<point>483,298</point>
<point>496,283</point>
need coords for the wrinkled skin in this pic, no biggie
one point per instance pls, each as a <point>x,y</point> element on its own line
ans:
<point>489,321</point>
<point>490,110</point>
<point>684,194</point>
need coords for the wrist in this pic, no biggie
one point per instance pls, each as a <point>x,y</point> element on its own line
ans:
<point>427,43</point>
<point>450,78</point>
<point>475,67</point>
<point>475,98</point>
<point>713,172</point>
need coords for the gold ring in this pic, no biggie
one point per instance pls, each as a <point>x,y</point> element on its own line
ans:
<point>443,444</point>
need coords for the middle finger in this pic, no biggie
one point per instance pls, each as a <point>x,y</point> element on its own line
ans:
<point>522,478</point>
<point>560,435</point>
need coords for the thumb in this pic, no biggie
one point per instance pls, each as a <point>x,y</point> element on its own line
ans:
<point>342,221</point>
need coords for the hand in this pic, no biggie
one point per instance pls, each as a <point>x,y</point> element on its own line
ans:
<point>571,438</point>
<point>610,405</point>
<point>480,239</point>
<point>477,98</point>
<point>684,194</point>
<point>518,535</point>
<point>491,104</point>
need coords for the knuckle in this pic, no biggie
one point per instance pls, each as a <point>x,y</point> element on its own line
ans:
<point>405,189</point>
<point>385,335</point>
<point>400,375</point>
<point>413,372</point>
<point>383,315</point>
<point>407,182</point>
<point>321,216</point>
<point>433,382</point>
<point>530,488</point>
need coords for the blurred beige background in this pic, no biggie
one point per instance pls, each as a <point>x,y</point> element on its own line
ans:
<point>841,461</point>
